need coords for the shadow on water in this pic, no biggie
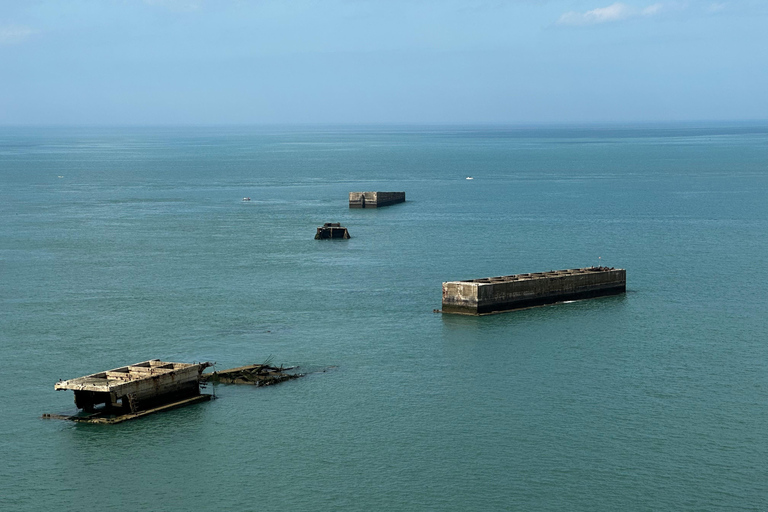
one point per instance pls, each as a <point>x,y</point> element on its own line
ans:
<point>561,311</point>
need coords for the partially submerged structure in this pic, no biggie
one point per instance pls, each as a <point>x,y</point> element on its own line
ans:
<point>144,388</point>
<point>254,374</point>
<point>506,293</point>
<point>135,390</point>
<point>375,199</point>
<point>331,230</point>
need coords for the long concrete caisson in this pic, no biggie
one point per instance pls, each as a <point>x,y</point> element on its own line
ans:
<point>508,293</point>
<point>375,199</point>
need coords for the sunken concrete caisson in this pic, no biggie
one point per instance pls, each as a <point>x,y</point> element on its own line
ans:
<point>331,230</point>
<point>134,390</point>
<point>508,293</point>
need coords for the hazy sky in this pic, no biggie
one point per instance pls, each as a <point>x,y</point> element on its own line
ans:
<point>381,61</point>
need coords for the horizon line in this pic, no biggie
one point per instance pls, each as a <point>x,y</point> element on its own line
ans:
<point>543,124</point>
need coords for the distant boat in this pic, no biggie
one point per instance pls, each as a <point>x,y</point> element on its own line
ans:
<point>246,199</point>
<point>470,178</point>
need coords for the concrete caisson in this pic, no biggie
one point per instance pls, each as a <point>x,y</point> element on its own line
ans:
<point>136,387</point>
<point>507,293</point>
<point>331,230</point>
<point>375,199</point>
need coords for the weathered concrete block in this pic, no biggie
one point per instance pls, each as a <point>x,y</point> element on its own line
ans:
<point>331,230</point>
<point>375,199</point>
<point>507,293</point>
<point>136,387</point>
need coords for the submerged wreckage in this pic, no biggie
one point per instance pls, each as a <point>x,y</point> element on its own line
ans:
<point>254,374</point>
<point>152,386</point>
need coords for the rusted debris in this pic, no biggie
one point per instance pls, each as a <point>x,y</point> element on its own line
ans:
<point>254,374</point>
<point>331,230</point>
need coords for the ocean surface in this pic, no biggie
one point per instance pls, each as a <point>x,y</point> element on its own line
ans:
<point>119,245</point>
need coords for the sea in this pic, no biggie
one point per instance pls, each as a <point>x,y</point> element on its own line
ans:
<point>123,244</point>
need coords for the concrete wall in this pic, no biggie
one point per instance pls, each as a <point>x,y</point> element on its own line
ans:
<point>489,295</point>
<point>328,232</point>
<point>149,383</point>
<point>374,199</point>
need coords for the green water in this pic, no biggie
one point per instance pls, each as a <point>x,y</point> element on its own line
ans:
<point>121,245</point>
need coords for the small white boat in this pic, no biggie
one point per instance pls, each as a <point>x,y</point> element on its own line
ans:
<point>246,199</point>
<point>470,178</point>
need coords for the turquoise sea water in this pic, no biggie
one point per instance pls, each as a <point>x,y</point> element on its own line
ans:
<point>121,245</point>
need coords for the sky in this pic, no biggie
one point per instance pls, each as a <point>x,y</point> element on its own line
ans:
<point>203,62</point>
